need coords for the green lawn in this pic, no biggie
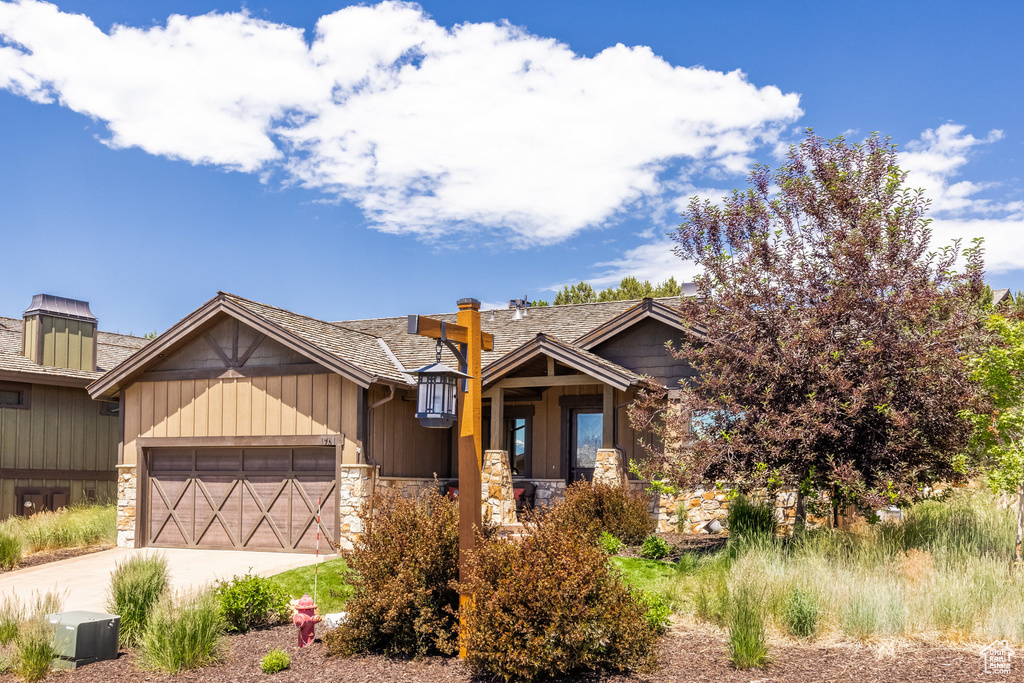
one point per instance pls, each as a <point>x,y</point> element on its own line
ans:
<point>333,589</point>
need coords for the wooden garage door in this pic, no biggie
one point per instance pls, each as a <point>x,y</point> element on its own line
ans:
<point>232,498</point>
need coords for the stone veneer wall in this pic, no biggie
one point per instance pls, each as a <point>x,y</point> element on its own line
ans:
<point>702,505</point>
<point>548,491</point>
<point>499,505</point>
<point>411,487</point>
<point>126,509</point>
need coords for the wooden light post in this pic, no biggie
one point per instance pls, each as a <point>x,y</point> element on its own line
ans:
<point>471,342</point>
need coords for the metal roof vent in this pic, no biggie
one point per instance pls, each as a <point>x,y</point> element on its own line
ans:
<point>61,307</point>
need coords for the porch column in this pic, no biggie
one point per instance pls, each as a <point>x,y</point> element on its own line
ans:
<point>609,468</point>
<point>497,417</point>
<point>499,506</point>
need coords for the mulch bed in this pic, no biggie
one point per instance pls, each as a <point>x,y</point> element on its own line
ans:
<point>47,556</point>
<point>687,654</point>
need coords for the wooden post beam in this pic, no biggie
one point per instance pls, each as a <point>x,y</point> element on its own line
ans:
<point>608,413</point>
<point>456,332</point>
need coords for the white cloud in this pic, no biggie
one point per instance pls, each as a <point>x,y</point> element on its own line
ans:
<point>429,129</point>
<point>935,162</point>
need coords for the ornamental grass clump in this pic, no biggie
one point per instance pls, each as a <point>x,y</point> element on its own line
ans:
<point>10,551</point>
<point>549,605</point>
<point>32,649</point>
<point>135,586</point>
<point>77,526</point>
<point>594,508</point>
<point>749,521</point>
<point>748,638</point>
<point>185,631</point>
<point>405,565</point>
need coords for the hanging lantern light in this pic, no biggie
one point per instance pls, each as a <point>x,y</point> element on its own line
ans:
<point>437,387</point>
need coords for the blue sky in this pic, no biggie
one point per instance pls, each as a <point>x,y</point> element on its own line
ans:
<point>388,159</point>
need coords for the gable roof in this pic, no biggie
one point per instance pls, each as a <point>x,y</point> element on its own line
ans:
<point>563,323</point>
<point>350,353</point>
<point>655,309</point>
<point>111,349</point>
<point>568,354</point>
<point>381,350</point>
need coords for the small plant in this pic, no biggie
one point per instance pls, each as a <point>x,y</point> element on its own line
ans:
<point>658,611</point>
<point>249,601</point>
<point>748,640</point>
<point>654,548</point>
<point>801,614</point>
<point>33,649</point>
<point>10,551</point>
<point>135,586</point>
<point>274,661</point>
<point>610,543</point>
<point>184,632</point>
<point>749,520</point>
<point>12,613</point>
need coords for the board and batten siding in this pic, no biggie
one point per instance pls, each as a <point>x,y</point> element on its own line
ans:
<point>63,429</point>
<point>288,405</point>
<point>400,445</point>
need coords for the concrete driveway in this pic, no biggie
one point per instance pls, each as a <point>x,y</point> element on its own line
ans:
<point>85,579</point>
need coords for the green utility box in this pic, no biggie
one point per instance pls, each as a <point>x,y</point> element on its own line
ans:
<point>83,637</point>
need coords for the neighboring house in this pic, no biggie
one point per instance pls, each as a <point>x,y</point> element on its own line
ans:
<point>57,445</point>
<point>240,418</point>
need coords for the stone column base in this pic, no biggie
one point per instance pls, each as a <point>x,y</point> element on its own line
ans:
<point>609,468</point>
<point>499,505</point>
<point>356,485</point>
<point>127,495</point>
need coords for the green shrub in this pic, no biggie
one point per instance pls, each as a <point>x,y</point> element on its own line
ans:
<point>12,613</point>
<point>594,508</point>
<point>404,601</point>
<point>250,601</point>
<point>10,551</point>
<point>33,649</point>
<point>184,631</point>
<point>549,605</point>
<point>609,543</point>
<point>748,639</point>
<point>274,661</point>
<point>801,614</point>
<point>135,586</point>
<point>658,611</point>
<point>654,548</point>
<point>751,520</point>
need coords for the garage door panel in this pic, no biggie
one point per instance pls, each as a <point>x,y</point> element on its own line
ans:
<point>259,499</point>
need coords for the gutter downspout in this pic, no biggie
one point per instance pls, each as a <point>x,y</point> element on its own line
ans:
<point>369,418</point>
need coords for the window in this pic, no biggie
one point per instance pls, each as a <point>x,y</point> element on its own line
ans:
<point>15,395</point>
<point>703,421</point>
<point>517,442</point>
<point>110,408</point>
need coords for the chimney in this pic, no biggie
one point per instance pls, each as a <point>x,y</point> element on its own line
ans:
<point>60,333</point>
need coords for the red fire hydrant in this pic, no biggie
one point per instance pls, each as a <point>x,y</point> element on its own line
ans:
<point>305,618</point>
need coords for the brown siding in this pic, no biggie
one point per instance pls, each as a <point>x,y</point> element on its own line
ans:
<point>400,445</point>
<point>247,406</point>
<point>63,429</point>
<point>641,348</point>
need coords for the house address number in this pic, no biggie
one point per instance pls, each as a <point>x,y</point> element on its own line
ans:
<point>328,441</point>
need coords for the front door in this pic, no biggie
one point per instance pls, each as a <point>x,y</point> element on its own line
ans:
<point>586,432</point>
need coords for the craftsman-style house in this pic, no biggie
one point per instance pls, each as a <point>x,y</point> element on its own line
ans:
<point>57,445</point>
<point>243,419</point>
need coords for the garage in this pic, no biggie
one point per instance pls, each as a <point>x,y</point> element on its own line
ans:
<point>243,499</point>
